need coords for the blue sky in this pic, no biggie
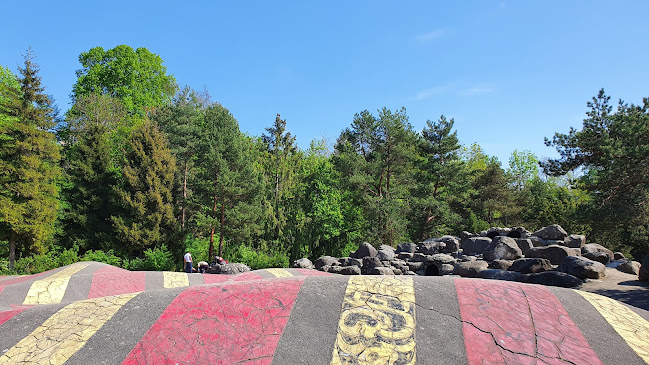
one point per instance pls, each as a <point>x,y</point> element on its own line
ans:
<point>509,72</point>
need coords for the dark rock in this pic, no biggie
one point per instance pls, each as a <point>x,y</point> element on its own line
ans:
<point>350,270</point>
<point>335,269</point>
<point>629,267</point>
<point>452,244</point>
<point>524,244</point>
<point>303,263</point>
<point>407,247</point>
<point>350,261</point>
<point>466,235</point>
<point>446,269</point>
<point>228,269</point>
<point>416,266</point>
<point>440,258</point>
<point>419,257</point>
<point>594,247</point>
<point>385,253</point>
<point>575,240</point>
<point>643,275</point>
<point>496,274</point>
<point>502,248</point>
<point>431,247</point>
<point>582,267</point>
<point>601,257</point>
<point>554,278</point>
<point>619,256</point>
<point>551,232</point>
<point>372,262</point>
<point>470,269</point>
<point>554,253</point>
<point>397,271</point>
<point>405,255</point>
<point>475,245</point>
<point>467,258</point>
<point>530,265</point>
<point>324,261</point>
<point>500,264</point>
<point>432,270</point>
<point>364,250</point>
<point>382,271</point>
<point>552,242</point>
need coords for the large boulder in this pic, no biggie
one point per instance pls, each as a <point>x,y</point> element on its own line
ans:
<point>364,250</point>
<point>496,274</point>
<point>303,263</point>
<point>502,248</point>
<point>440,259</point>
<point>629,267</point>
<point>594,247</point>
<point>551,232</point>
<point>407,247</point>
<point>232,268</point>
<point>643,275</point>
<point>529,265</point>
<point>382,271</point>
<point>475,245</point>
<point>575,240</point>
<point>500,264</point>
<point>554,278</point>
<point>524,244</point>
<point>385,253</point>
<point>582,267</point>
<point>554,253</point>
<point>350,270</point>
<point>618,256</point>
<point>600,257</point>
<point>350,261</point>
<point>416,266</point>
<point>430,247</point>
<point>325,261</point>
<point>470,269</point>
<point>452,244</point>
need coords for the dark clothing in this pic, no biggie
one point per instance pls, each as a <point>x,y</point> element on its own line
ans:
<point>188,267</point>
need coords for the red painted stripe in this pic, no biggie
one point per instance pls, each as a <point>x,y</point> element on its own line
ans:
<point>247,276</point>
<point>311,272</point>
<point>114,281</point>
<point>216,278</point>
<point>512,323</point>
<point>22,279</point>
<point>7,315</point>
<point>220,324</point>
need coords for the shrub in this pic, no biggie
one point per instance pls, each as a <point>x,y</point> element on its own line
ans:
<point>198,248</point>
<point>158,259</point>
<point>35,264</point>
<point>68,257</point>
<point>257,260</point>
<point>101,256</point>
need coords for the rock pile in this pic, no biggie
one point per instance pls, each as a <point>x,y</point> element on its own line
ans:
<point>549,256</point>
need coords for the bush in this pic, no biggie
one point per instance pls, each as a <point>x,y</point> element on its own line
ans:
<point>159,259</point>
<point>198,248</point>
<point>35,264</point>
<point>101,256</point>
<point>257,260</point>
<point>136,264</point>
<point>68,257</point>
<point>4,267</point>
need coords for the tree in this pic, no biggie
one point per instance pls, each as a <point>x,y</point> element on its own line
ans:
<point>523,168</point>
<point>29,157</point>
<point>613,150</point>
<point>136,77</point>
<point>146,219</point>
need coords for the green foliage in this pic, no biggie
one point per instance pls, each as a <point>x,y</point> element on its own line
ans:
<point>101,256</point>
<point>159,259</point>
<point>199,249</point>
<point>523,168</point>
<point>136,77</point>
<point>255,259</point>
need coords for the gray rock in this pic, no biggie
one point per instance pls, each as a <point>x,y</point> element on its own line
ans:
<point>371,262</point>
<point>529,265</point>
<point>440,258</point>
<point>600,257</point>
<point>470,269</point>
<point>524,244</point>
<point>551,232</point>
<point>452,244</point>
<point>594,247</point>
<point>385,253</point>
<point>335,269</point>
<point>467,258</point>
<point>643,275</point>
<point>446,269</point>
<point>303,263</point>
<point>629,267</point>
<point>502,248</point>
<point>554,253</point>
<point>475,245</point>
<point>554,278</point>
<point>407,247</point>
<point>582,267</point>
<point>431,247</point>
<point>500,264</point>
<point>466,235</point>
<point>382,271</point>
<point>364,250</point>
<point>350,270</point>
<point>415,266</point>
<point>325,261</point>
<point>619,256</point>
<point>405,255</point>
<point>552,242</point>
<point>575,240</point>
<point>228,269</point>
<point>496,274</point>
<point>419,257</point>
<point>397,271</point>
<point>350,261</point>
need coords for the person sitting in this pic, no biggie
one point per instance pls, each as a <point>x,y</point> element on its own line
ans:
<point>202,266</point>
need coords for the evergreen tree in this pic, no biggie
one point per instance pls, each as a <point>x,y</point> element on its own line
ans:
<point>146,219</point>
<point>29,157</point>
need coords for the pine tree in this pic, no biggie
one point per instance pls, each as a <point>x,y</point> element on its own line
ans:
<point>29,157</point>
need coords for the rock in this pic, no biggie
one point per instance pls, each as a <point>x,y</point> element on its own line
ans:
<point>470,269</point>
<point>497,231</point>
<point>496,274</point>
<point>350,270</point>
<point>594,247</point>
<point>324,261</point>
<point>229,268</point>
<point>405,255</point>
<point>406,247</point>
<point>303,263</point>
<point>475,245</point>
<point>629,267</point>
<point>364,250</point>
<point>554,253</point>
<point>554,278</point>
<point>335,269</point>
<point>500,264</point>
<point>582,267</point>
<point>502,248</point>
<point>551,232</point>
<point>643,275</point>
<point>552,242</point>
<point>372,262</point>
<point>452,244</point>
<point>415,266</point>
<point>446,269</point>
<point>419,257</point>
<point>466,235</point>
<point>467,258</point>
<point>382,271</point>
<point>350,261</point>
<point>530,265</point>
<point>385,253</point>
<point>618,256</point>
<point>601,257</point>
<point>440,259</point>
<point>431,247</point>
<point>397,271</point>
<point>524,244</point>
<point>575,240</point>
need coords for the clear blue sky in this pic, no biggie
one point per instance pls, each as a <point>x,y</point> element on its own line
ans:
<point>508,72</point>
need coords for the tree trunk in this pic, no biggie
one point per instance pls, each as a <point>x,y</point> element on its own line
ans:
<point>222,226</point>
<point>12,249</point>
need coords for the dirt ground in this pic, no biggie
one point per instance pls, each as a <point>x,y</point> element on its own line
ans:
<point>621,286</point>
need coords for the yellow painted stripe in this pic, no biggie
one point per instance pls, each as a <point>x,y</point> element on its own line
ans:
<point>280,273</point>
<point>51,289</point>
<point>65,332</point>
<point>377,324</point>
<point>175,279</point>
<point>628,324</point>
